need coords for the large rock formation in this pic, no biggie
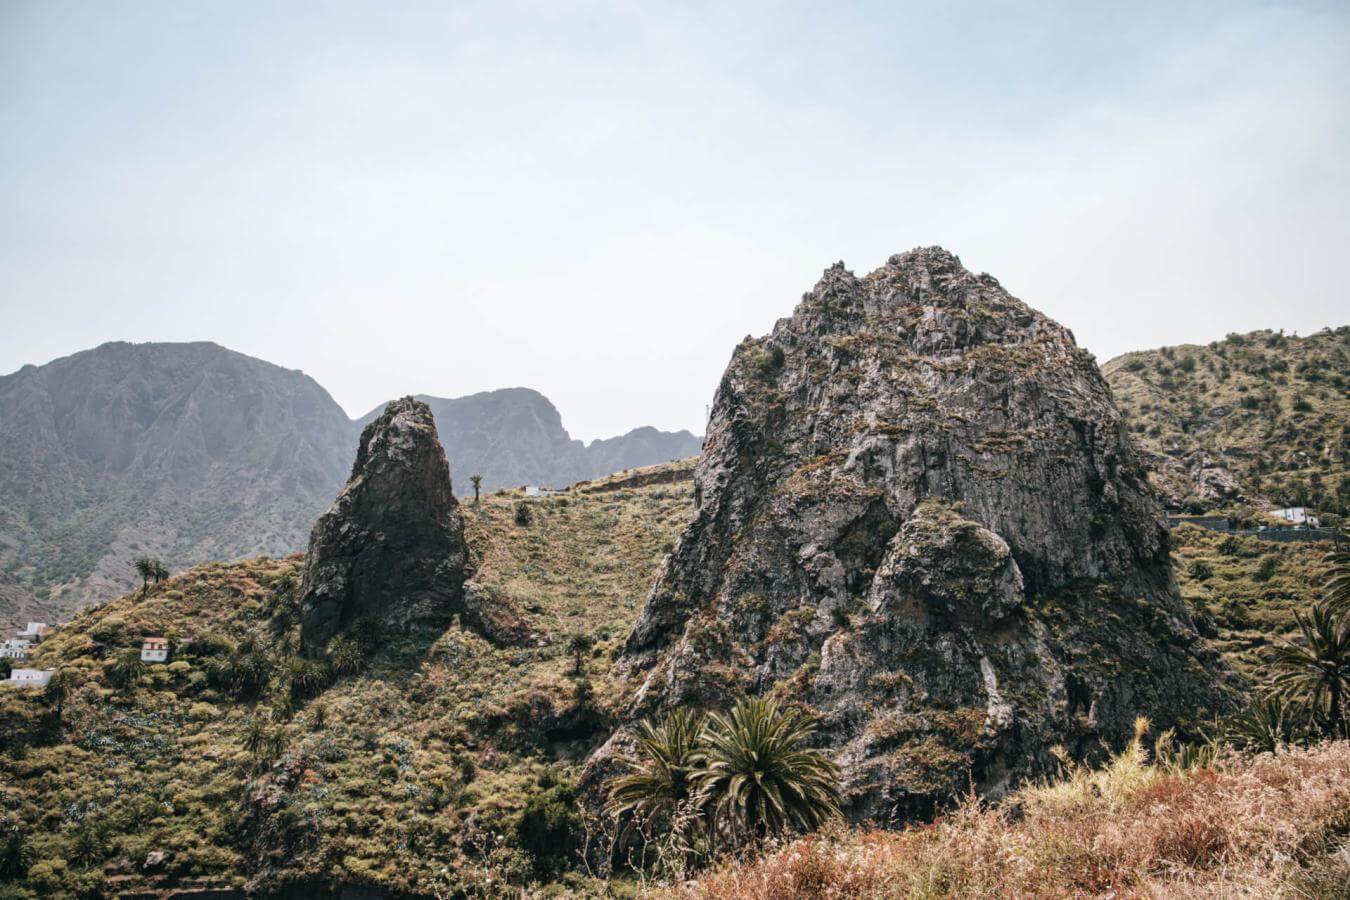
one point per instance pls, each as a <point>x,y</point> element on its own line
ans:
<point>391,547</point>
<point>920,515</point>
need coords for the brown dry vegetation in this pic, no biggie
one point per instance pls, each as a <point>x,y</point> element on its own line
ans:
<point>1269,826</point>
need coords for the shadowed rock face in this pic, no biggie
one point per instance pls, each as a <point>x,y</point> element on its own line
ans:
<point>391,547</point>
<point>920,515</point>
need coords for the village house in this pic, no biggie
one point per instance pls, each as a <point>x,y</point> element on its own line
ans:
<point>35,632</point>
<point>14,649</point>
<point>1298,515</point>
<point>534,490</point>
<point>30,677</point>
<point>155,649</point>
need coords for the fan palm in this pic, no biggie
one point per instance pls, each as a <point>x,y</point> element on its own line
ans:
<point>477,481</point>
<point>662,780</point>
<point>758,776</point>
<point>1316,668</point>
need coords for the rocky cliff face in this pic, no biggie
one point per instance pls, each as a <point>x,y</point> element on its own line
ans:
<point>515,436</point>
<point>391,547</point>
<point>919,514</point>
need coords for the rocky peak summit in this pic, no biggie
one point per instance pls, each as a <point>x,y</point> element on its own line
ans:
<point>391,547</point>
<point>920,515</point>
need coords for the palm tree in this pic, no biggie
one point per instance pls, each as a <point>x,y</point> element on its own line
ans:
<point>145,567</point>
<point>579,645</point>
<point>1338,579</point>
<point>477,483</point>
<point>160,572</point>
<point>58,690</point>
<point>1316,668</point>
<point>662,780</point>
<point>127,670</point>
<point>758,777</point>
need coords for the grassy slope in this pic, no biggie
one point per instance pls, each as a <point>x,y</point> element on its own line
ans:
<point>1273,409</point>
<point>1273,826</point>
<point>420,762</point>
<point>1243,591</point>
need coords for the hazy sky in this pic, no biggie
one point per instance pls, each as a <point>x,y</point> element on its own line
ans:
<point>599,200</point>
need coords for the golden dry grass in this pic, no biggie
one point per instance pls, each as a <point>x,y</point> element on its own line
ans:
<point>1270,826</point>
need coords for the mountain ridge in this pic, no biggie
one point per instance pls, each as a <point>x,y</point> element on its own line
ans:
<point>192,452</point>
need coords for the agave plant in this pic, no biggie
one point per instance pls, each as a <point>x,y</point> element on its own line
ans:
<point>1316,668</point>
<point>1266,725</point>
<point>757,775</point>
<point>661,781</point>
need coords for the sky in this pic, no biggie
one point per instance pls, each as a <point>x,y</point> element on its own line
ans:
<point>599,200</point>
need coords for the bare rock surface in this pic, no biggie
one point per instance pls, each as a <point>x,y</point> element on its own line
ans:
<point>919,515</point>
<point>391,547</point>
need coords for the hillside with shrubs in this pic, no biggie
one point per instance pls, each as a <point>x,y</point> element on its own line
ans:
<point>451,770</point>
<point>1257,416</point>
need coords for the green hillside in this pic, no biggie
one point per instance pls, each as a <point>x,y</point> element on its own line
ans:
<point>410,774</point>
<point>1259,416</point>
<point>414,773</point>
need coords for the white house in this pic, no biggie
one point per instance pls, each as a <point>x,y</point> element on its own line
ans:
<point>155,649</point>
<point>534,490</point>
<point>1298,515</point>
<point>14,649</point>
<point>35,632</point>
<point>30,677</point>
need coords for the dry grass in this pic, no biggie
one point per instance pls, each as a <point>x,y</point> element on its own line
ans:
<point>1270,826</point>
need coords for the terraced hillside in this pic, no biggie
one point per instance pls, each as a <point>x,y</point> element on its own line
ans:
<point>1258,416</point>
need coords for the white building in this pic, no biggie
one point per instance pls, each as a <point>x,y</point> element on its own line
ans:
<point>30,677</point>
<point>14,648</point>
<point>155,649</point>
<point>534,490</point>
<point>1299,515</point>
<point>35,632</point>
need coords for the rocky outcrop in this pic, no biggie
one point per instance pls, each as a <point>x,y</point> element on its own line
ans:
<point>391,547</point>
<point>919,514</point>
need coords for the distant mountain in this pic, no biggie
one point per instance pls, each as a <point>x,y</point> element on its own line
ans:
<point>186,452</point>
<point>515,436</point>
<point>1262,416</point>
<point>192,452</point>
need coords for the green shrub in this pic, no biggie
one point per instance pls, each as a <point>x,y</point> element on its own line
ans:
<point>1201,571</point>
<point>1267,569</point>
<point>550,829</point>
